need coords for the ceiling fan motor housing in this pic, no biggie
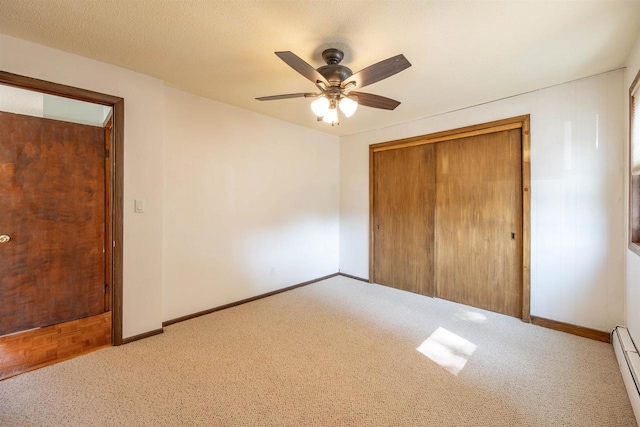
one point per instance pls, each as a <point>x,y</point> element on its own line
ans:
<point>333,71</point>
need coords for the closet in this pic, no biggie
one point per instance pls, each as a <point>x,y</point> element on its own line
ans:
<point>449,215</point>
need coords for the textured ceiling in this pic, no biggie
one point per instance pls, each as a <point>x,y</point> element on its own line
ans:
<point>463,52</point>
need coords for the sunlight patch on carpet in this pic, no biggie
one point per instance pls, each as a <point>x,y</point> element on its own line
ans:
<point>448,350</point>
<point>472,316</point>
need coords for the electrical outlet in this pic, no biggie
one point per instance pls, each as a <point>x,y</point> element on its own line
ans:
<point>272,271</point>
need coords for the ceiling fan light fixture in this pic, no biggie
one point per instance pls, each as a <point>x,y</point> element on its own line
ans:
<point>348,106</point>
<point>336,81</point>
<point>331,116</point>
<point>320,106</point>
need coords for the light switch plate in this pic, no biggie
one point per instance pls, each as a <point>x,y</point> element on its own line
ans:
<point>138,206</point>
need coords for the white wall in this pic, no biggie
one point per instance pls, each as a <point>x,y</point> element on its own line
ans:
<point>577,189</point>
<point>243,194</point>
<point>633,260</point>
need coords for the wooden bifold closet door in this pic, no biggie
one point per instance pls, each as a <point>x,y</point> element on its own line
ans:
<point>447,220</point>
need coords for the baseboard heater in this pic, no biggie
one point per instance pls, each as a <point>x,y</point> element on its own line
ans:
<point>629,362</point>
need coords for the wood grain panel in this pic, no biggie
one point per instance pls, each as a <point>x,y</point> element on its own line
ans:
<point>473,130</point>
<point>25,351</point>
<point>52,190</point>
<point>479,221</point>
<point>433,140</point>
<point>572,329</point>
<point>403,206</point>
<point>526,219</point>
<point>520,122</point>
<point>108,208</point>
<point>117,278</point>
<point>44,86</point>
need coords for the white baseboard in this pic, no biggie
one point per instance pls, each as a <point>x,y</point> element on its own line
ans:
<point>629,363</point>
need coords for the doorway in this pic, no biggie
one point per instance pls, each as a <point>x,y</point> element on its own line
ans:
<point>449,215</point>
<point>62,288</point>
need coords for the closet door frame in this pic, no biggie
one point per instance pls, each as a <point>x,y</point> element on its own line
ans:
<point>519,122</point>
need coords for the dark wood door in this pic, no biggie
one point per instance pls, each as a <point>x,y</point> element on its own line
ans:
<point>479,221</point>
<point>403,215</point>
<point>52,205</point>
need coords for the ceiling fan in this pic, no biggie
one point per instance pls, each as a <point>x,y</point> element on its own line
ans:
<point>337,83</point>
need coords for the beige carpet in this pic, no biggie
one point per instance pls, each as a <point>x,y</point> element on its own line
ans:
<point>335,353</point>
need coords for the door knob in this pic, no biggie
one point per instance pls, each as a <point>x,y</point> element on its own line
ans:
<point>4,238</point>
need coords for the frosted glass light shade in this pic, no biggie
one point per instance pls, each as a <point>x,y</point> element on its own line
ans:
<point>331,116</point>
<point>320,106</point>
<point>348,106</point>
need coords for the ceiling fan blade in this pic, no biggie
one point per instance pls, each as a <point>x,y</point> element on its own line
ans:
<point>295,62</point>
<point>379,71</point>
<point>287,96</point>
<point>375,101</point>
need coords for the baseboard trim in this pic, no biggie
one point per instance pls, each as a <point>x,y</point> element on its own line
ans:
<point>142,336</point>
<point>354,277</point>
<point>572,329</point>
<point>244,301</point>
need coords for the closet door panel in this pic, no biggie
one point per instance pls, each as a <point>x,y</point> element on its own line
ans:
<point>403,215</point>
<point>479,221</point>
